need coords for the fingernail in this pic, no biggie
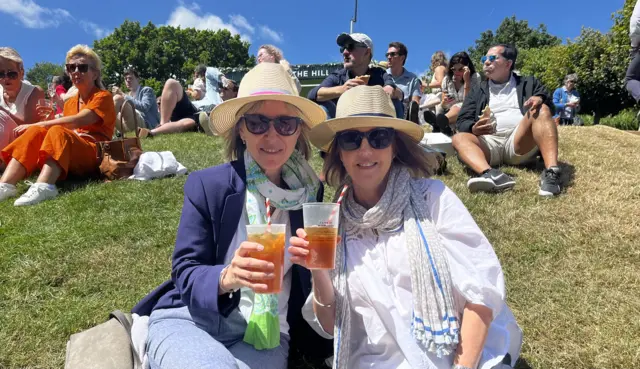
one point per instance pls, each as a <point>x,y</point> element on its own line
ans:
<point>260,247</point>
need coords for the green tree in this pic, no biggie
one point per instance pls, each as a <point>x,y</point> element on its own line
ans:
<point>514,32</point>
<point>159,53</point>
<point>41,73</point>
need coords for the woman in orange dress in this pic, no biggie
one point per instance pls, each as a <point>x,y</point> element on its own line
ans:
<point>59,147</point>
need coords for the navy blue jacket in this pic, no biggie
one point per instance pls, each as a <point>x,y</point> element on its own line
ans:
<point>213,202</point>
<point>377,77</point>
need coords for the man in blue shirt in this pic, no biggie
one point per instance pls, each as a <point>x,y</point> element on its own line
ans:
<point>405,80</point>
<point>357,51</point>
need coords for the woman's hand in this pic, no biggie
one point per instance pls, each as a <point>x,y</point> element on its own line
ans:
<point>245,271</point>
<point>299,248</point>
<point>21,129</point>
<point>467,75</point>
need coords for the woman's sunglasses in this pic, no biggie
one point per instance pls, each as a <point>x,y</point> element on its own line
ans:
<point>378,138</point>
<point>259,124</point>
<point>490,58</point>
<point>9,74</point>
<point>82,68</point>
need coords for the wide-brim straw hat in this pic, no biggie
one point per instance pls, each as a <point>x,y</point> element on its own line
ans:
<point>362,107</point>
<point>266,81</point>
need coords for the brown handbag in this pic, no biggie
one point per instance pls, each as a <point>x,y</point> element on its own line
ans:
<point>119,157</point>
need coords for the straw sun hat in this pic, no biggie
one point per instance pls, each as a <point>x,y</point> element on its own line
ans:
<point>363,107</point>
<point>267,81</point>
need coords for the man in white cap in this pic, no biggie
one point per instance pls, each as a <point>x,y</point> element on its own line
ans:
<point>357,51</point>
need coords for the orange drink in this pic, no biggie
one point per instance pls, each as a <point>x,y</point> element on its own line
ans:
<point>321,226</point>
<point>273,240</point>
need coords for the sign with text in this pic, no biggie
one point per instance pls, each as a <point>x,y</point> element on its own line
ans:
<point>314,71</point>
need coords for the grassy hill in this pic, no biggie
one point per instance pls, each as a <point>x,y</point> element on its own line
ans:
<point>572,263</point>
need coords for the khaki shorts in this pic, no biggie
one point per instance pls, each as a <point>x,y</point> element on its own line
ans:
<point>502,149</point>
<point>130,126</point>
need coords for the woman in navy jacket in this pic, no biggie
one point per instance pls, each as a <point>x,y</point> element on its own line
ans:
<point>199,318</point>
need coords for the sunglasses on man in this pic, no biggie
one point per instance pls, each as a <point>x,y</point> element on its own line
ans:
<point>392,54</point>
<point>82,68</point>
<point>259,124</point>
<point>9,74</point>
<point>350,47</point>
<point>490,58</point>
<point>378,138</point>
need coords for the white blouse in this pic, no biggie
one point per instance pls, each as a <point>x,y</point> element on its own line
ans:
<point>379,283</point>
<point>246,294</point>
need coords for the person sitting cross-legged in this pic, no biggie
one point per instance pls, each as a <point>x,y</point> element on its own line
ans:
<point>518,125</point>
<point>144,103</point>
<point>63,146</point>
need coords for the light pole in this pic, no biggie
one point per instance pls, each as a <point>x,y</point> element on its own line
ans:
<point>355,18</point>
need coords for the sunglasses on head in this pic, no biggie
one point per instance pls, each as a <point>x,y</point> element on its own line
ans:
<point>351,47</point>
<point>258,124</point>
<point>490,58</point>
<point>378,138</point>
<point>9,74</point>
<point>82,68</point>
<point>392,54</point>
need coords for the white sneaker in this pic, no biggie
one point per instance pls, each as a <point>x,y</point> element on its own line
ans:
<point>37,193</point>
<point>7,191</point>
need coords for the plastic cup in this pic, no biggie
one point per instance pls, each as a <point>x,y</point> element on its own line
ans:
<point>272,238</point>
<point>45,103</point>
<point>321,225</point>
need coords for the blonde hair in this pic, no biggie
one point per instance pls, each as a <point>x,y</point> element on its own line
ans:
<point>273,51</point>
<point>438,59</point>
<point>407,153</point>
<point>235,147</point>
<point>11,54</point>
<point>87,52</point>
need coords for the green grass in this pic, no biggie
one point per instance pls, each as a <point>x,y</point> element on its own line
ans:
<point>571,263</point>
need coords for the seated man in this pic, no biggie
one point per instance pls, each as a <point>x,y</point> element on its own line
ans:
<point>408,82</point>
<point>518,124</point>
<point>179,114</point>
<point>143,99</point>
<point>357,51</point>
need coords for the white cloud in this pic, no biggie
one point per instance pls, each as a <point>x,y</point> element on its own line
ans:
<point>271,34</point>
<point>94,29</point>
<point>186,18</point>
<point>242,22</point>
<point>32,15</point>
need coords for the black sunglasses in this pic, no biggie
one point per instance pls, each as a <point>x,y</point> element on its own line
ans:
<point>392,54</point>
<point>378,138</point>
<point>259,124</point>
<point>351,47</point>
<point>9,74</point>
<point>82,68</point>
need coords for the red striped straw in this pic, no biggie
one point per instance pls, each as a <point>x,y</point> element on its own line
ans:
<point>268,206</point>
<point>335,210</point>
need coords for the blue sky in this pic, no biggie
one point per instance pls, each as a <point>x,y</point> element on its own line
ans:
<point>43,30</point>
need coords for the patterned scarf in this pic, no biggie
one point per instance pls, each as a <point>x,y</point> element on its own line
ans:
<point>263,329</point>
<point>435,323</point>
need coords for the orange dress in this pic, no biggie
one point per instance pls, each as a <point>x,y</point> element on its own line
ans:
<point>74,151</point>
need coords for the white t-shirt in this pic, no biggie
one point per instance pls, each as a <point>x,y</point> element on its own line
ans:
<point>503,101</point>
<point>246,294</point>
<point>379,279</point>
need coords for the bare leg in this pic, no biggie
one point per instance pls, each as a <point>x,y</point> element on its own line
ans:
<point>14,173</point>
<point>127,115</point>
<point>472,151</point>
<point>50,172</point>
<point>538,129</point>
<point>171,94</point>
<point>183,125</point>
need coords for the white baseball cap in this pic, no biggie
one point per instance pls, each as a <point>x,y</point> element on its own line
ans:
<point>361,38</point>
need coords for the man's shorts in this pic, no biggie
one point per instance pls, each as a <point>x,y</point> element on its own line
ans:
<point>130,126</point>
<point>184,109</point>
<point>501,147</point>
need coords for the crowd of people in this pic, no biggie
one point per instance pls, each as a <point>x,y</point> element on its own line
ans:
<point>416,283</point>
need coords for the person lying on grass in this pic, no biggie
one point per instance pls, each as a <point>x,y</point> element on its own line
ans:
<point>63,146</point>
<point>215,312</point>
<point>416,283</point>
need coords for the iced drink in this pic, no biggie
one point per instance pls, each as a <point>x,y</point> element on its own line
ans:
<point>272,238</point>
<point>321,226</point>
